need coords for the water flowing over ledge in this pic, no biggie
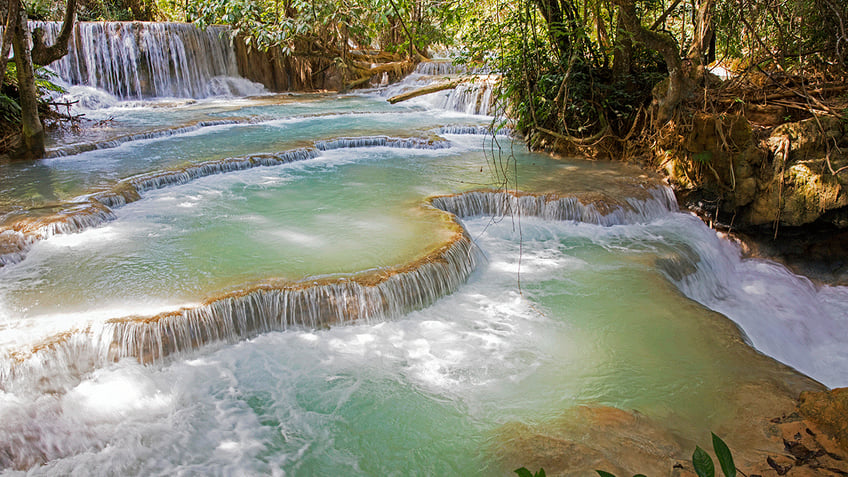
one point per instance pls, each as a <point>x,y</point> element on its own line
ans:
<point>134,60</point>
<point>159,133</point>
<point>96,209</point>
<point>373,295</point>
<point>475,130</point>
<point>592,209</point>
<point>446,67</point>
<point>383,141</point>
<point>369,296</point>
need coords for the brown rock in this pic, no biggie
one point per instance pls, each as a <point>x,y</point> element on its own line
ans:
<point>746,190</point>
<point>765,114</point>
<point>829,411</point>
<point>588,438</point>
<point>807,136</point>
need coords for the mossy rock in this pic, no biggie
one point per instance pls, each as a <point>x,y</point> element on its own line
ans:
<point>806,137</point>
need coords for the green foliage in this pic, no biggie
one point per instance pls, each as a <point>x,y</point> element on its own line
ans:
<point>560,77</point>
<point>701,461</point>
<point>10,110</point>
<point>44,82</point>
<point>330,25</point>
<point>523,472</point>
<point>703,156</point>
<point>40,10</point>
<point>725,458</point>
<point>116,10</point>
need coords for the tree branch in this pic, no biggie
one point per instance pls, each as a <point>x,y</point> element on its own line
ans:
<point>43,54</point>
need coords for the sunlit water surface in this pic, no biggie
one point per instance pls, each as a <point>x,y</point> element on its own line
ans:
<point>558,314</point>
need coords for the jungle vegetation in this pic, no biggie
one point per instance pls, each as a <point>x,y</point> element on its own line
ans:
<point>599,76</point>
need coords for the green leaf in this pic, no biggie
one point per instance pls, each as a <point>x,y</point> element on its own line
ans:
<point>703,463</point>
<point>523,472</point>
<point>541,472</point>
<point>604,473</point>
<point>725,458</point>
<point>703,156</point>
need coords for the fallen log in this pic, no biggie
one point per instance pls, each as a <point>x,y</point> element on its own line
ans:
<point>366,74</point>
<point>433,88</point>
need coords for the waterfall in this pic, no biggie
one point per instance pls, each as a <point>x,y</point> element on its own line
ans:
<point>476,96</point>
<point>384,141</point>
<point>370,296</point>
<point>374,295</point>
<point>134,60</point>
<point>604,211</point>
<point>96,209</point>
<point>444,68</point>
<point>472,98</point>
<point>155,134</point>
<point>475,130</point>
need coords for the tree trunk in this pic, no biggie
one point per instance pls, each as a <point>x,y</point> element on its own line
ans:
<point>552,12</point>
<point>667,97</point>
<point>702,39</point>
<point>433,88</point>
<point>11,19</point>
<point>32,131</point>
<point>622,50</point>
<point>42,54</point>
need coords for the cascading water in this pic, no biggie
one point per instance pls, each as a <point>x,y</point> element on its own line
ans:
<point>135,60</point>
<point>446,68</point>
<point>334,285</point>
<point>475,96</point>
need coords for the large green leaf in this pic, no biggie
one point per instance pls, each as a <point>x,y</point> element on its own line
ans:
<point>725,459</point>
<point>523,472</point>
<point>703,463</point>
<point>604,473</point>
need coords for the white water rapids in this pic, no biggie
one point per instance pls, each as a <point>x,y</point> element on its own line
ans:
<point>331,285</point>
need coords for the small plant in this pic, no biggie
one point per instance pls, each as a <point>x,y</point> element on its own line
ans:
<point>701,461</point>
<point>523,472</point>
<point>703,156</point>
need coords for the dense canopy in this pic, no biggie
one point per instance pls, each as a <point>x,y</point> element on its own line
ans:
<point>574,71</point>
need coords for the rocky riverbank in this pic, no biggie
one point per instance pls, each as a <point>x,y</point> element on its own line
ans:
<point>783,190</point>
<point>806,438</point>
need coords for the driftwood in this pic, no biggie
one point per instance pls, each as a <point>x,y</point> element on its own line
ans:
<point>433,88</point>
<point>367,74</point>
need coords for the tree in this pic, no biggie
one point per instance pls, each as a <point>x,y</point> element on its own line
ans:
<point>32,129</point>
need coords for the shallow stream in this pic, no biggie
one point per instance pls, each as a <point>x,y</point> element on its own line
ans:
<point>601,296</point>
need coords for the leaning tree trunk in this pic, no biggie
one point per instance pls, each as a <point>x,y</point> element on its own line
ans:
<point>702,39</point>
<point>8,35</point>
<point>678,81</point>
<point>32,131</point>
<point>42,54</point>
